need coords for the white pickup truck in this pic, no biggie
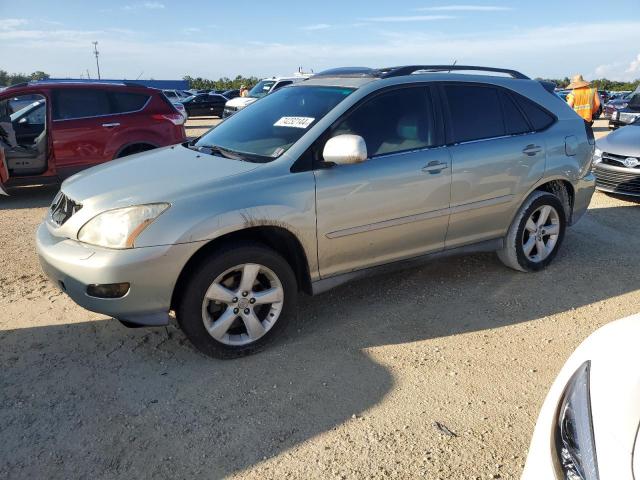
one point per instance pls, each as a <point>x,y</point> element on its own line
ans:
<point>262,89</point>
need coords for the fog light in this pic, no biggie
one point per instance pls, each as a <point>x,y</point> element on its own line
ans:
<point>111,290</point>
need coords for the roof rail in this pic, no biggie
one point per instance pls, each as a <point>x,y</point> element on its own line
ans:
<point>348,72</point>
<point>408,70</point>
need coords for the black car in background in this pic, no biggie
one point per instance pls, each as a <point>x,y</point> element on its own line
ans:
<point>205,105</point>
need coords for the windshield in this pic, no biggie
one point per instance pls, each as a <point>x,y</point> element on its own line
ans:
<point>269,127</point>
<point>261,89</point>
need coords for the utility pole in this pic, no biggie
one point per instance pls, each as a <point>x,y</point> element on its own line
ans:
<point>95,52</point>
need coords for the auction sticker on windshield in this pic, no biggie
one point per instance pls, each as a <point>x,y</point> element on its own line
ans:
<point>294,122</point>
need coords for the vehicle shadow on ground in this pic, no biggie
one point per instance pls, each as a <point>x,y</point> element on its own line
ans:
<point>31,197</point>
<point>94,400</point>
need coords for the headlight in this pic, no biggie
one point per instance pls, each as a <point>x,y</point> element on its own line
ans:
<point>120,228</point>
<point>597,156</point>
<point>575,443</point>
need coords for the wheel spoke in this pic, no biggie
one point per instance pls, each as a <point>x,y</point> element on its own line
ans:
<point>528,247</point>
<point>542,249</point>
<point>219,293</point>
<point>273,295</point>
<point>544,215</point>
<point>249,275</point>
<point>254,326</point>
<point>531,225</point>
<point>221,326</point>
<point>552,229</point>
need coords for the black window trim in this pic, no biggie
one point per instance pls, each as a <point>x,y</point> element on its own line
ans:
<point>309,161</point>
<point>55,101</point>
<point>450,139</point>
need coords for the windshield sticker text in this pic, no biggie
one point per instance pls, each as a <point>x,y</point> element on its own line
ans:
<point>294,122</point>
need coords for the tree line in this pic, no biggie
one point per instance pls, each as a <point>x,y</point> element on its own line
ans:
<point>226,83</point>
<point>223,83</point>
<point>7,78</point>
<point>600,84</point>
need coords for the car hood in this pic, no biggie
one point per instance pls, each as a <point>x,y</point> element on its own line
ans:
<point>624,141</point>
<point>615,402</point>
<point>240,102</point>
<point>160,175</point>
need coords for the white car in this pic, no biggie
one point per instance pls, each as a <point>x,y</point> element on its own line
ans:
<point>588,426</point>
<point>262,89</point>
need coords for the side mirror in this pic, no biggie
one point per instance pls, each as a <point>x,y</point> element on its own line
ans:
<point>22,121</point>
<point>345,150</point>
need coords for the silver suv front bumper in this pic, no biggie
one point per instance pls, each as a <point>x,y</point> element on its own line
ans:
<point>152,273</point>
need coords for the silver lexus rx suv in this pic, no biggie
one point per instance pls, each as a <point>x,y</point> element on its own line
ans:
<point>349,173</point>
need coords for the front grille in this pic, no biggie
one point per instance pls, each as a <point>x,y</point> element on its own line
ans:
<point>62,209</point>
<point>623,182</point>
<point>616,160</point>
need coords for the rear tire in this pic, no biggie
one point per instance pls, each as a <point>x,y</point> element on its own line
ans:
<point>237,301</point>
<point>536,234</point>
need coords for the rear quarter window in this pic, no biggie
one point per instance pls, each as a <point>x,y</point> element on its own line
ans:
<point>539,118</point>
<point>124,102</point>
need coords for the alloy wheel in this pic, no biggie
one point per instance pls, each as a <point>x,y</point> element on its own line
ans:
<point>541,233</point>
<point>242,304</point>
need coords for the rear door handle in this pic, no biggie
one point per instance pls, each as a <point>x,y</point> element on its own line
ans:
<point>110,125</point>
<point>532,150</point>
<point>434,167</point>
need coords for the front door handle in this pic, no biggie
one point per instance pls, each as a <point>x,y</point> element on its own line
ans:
<point>110,125</point>
<point>434,167</point>
<point>532,150</point>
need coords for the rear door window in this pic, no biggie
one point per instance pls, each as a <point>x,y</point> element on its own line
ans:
<point>538,117</point>
<point>80,103</point>
<point>395,121</point>
<point>515,122</point>
<point>123,102</point>
<point>475,112</point>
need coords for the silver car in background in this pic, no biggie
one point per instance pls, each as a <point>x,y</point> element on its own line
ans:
<point>350,173</point>
<point>617,161</point>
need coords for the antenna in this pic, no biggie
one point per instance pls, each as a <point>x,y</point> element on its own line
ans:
<point>88,74</point>
<point>96,53</point>
<point>453,65</point>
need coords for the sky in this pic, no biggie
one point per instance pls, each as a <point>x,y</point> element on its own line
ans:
<point>164,39</point>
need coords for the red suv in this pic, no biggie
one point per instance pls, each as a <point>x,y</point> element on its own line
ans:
<point>49,130</point>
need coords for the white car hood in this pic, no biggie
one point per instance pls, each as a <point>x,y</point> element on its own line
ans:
<point>240,102</point>
<point>615,402</point>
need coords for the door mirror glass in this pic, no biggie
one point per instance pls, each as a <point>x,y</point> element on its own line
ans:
<point>345,150</point>
<point>22,121</point>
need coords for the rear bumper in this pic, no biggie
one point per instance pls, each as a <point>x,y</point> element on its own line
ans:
<point>152,273</point>
<point>583,191</point>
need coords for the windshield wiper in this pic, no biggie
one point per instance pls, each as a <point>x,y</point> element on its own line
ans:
<point>216,150</point>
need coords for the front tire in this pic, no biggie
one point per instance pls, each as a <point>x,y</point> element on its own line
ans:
<point>535,236</point>
<point>237,301</point>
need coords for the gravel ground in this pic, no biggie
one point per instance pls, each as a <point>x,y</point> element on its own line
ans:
<point>436,372</point>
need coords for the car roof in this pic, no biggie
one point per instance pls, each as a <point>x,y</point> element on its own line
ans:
<point>57,85</point>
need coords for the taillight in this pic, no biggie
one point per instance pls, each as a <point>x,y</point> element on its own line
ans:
<point>175,118</point>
